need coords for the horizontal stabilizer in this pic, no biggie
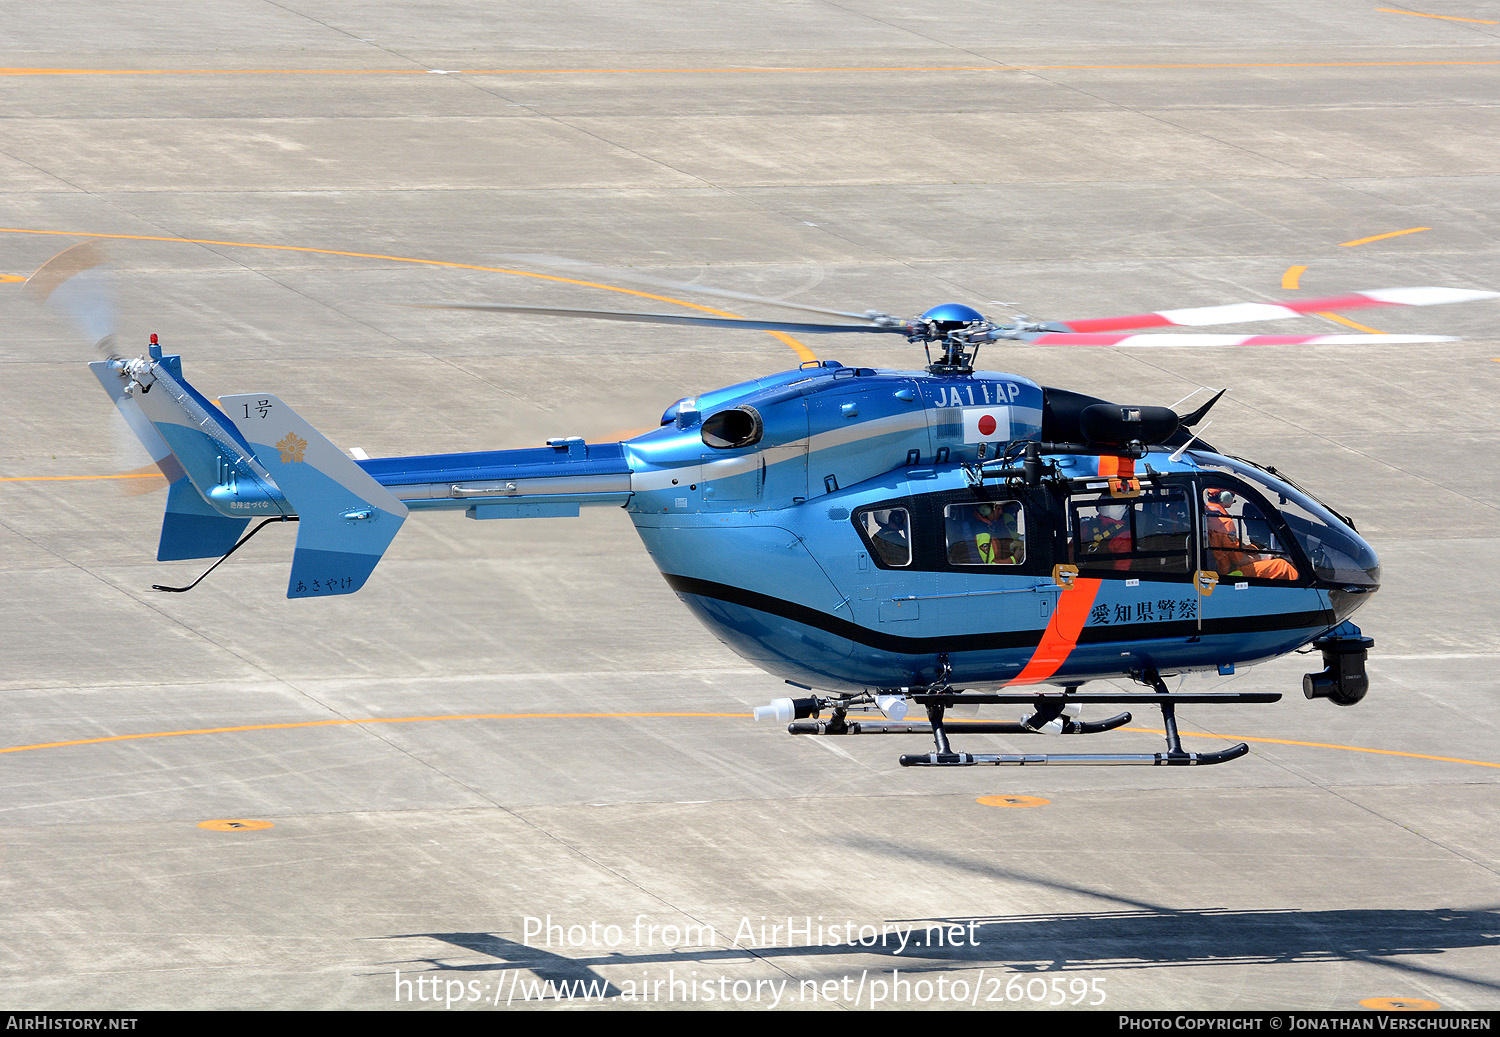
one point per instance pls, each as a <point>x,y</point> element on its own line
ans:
<point>346,520</point>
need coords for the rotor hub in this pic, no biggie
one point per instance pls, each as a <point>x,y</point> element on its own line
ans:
<point>953,324</point>
<point>952,313</point>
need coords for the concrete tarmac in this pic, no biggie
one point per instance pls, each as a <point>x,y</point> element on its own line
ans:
<point>513,770</point>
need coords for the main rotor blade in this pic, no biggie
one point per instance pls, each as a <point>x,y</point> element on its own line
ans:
<point>1071,339</point>
<point>77,284</point>
<point>614,274</point>
<point>673,318</point>
<point>1237,313</point>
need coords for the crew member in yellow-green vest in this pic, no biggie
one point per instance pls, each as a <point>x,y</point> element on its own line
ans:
<point>997,535</point>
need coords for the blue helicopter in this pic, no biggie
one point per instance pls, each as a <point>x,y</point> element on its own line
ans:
<point>879,539</point>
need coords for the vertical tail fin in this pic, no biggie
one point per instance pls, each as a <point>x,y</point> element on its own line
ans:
<point>346,519</point>
<point>192,527</point>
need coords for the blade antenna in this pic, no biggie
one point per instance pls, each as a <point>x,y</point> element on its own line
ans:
<point>1192,419</point>
<point>1177,454</point>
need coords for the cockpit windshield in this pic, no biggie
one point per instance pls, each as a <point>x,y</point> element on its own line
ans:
<point>1338,554</point>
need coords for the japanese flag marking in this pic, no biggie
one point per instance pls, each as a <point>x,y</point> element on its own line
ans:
<point>987,424</point>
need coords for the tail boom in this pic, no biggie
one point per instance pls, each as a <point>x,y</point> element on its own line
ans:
<point>253,456</point>
<point>543,482</point>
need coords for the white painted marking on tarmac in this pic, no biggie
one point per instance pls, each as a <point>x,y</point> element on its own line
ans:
<point>822,744</point>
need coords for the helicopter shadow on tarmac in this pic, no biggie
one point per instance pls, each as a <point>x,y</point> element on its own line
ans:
<point>1143,937</point>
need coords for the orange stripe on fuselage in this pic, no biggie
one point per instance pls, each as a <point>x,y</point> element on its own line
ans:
<point>1062,632</point>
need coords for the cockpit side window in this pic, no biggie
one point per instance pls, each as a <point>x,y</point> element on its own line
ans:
<point>889,532</point>
<point>986,533</point>
<point>1149,535</point>
<point>1242,542</point>
<point>1336,552</point>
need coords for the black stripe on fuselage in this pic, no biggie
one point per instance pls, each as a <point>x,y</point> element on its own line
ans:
<point>996,640</point>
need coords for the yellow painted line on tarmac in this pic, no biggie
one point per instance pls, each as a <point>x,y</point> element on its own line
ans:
<point>1351,324</point>
<point>1400,1004</point>
<point>1382,237</point>
<point>648,716</point>
<point>1315,745</point>
<point>1444,17</point>
<point>1012,801</point>
<point>140,480</point>
<point>367,720</point>
<point>1294,274</point>
<point>77,478</point>
<point>12,279</point>
<point>235,824</point>
<point>802,351</point>
<point>727,70</point>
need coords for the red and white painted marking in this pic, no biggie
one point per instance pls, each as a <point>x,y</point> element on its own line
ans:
<point>1238,313</point>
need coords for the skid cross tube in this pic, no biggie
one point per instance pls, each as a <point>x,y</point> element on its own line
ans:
<point>1042,698</point>
<point>976,727</point>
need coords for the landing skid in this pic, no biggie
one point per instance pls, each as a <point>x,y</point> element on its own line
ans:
<point>1167,759</point>
<point>1051,716</point>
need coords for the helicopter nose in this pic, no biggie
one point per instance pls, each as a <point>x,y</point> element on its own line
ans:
<point>1345,601</point>
<point>1346,597</point>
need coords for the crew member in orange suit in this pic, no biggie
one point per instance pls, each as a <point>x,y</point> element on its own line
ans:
<point>1232,555</point>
